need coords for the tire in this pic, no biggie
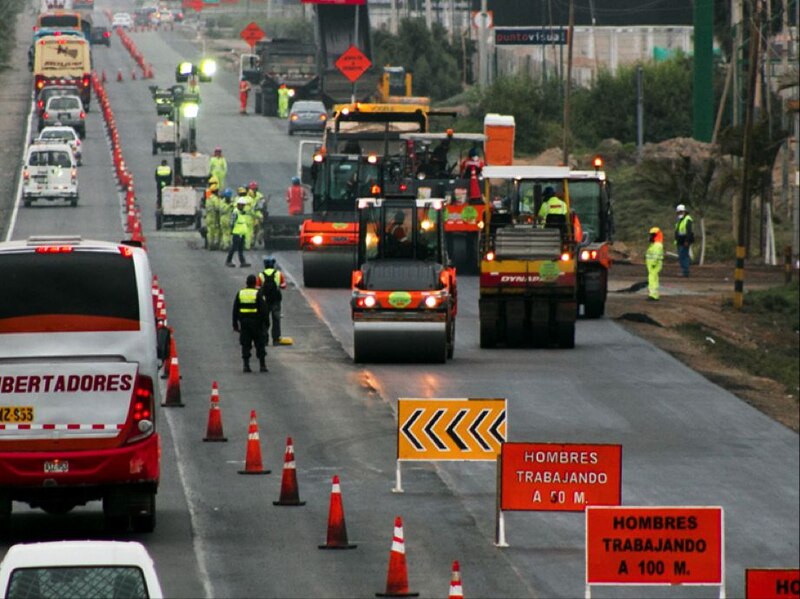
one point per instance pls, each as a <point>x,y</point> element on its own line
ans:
<point>26,202</point>
<point>198,221</point>
<point>155,148</point>
<point>594,309</point>
<point>73,201</point>
<point>58,508</point>
<point>488,335</point>
<point>82,133</point>
<point>145,522</point>
<point>451,341</point>
<point>5,514</point>
<point>159,221</point>
<point>566,335</point>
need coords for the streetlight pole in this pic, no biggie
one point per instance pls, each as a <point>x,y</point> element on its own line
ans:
<point>568,81</point>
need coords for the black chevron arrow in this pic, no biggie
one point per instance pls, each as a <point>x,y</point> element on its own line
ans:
<point>495,428</point>
<point>431,435</point>
<point>451,430</point>
<point>406,428</point>
<point>474,428</point>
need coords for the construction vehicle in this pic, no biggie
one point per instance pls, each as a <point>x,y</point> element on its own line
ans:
<point>528,281</point>
<point>357,142</point>
<point>590,196</point>
<point>395,82</point>
<point>404,293</point>
<point>278,62</point>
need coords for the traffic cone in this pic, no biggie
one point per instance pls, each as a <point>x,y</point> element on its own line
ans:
<point>252,461</point>
<point>173,397</point>
<point>397,577</point>
<point>290,494</point>
<point>103,76</point>
<point>119,75</point>
<point>456,592</point>
<point>214,428</point>
<point>337,531</point>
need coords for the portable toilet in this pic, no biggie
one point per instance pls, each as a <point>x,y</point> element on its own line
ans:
<point>499,146</point>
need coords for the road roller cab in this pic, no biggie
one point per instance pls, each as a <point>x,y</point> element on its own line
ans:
<point>404,290</point>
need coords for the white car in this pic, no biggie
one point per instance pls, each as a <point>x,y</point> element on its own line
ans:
<point>122,19</point>
<point>49,173</point>
<point>79,569</point>
<point>65,135</point>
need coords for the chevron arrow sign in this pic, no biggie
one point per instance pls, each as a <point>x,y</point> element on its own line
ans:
<point>450,429</point>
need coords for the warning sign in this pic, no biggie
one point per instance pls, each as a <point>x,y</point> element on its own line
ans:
<point>772,584</point>
<point>559,477</point>
<point>353,63</point>
<point>252,33</point>
<point>654,545</point>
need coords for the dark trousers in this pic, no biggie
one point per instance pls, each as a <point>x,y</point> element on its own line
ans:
<point>683,259</point>
<point>252,332</point>
<point>274,315</point>
<point>237,245</point>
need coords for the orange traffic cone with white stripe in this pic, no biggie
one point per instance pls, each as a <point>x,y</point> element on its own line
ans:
<point>397,577</point>
<point>252,461</point>
<point>337,531</point>
<point>214,428</point>
<point>456,592</point>
<point>173,395</point>
<point>290,494</point>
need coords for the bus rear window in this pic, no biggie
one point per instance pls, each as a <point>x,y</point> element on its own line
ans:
<point>56,21</point>
<point>69,292</point>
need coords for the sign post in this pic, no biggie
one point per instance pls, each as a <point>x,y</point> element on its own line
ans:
<point>252,33</point>
<point>655,546</point>
<point>449,430</point>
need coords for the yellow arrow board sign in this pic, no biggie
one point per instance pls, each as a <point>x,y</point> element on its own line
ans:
<point>450,429</point>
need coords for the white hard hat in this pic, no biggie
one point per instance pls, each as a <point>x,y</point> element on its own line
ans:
<point>680,208</point>
<point>241,200</point>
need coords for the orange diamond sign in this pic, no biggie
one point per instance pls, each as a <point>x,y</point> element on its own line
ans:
<point>252,33</point>
<point>353,63</point>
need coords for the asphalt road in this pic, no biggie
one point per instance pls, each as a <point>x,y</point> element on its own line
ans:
<point>685,441</point>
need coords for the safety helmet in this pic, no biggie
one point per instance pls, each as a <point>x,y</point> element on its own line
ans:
<point>227,193</point>
<point>241,201</point>
<point>549,192</point>
<point>241,191</point>
<point>473,152</point>
<point>680,208</point>
<point>269,262</point>
<point>654,230</point>
<point>217,150</point>
<point>253,185</point>
<point>295,180</point>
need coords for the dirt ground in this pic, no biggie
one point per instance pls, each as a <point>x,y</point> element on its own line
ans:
<point>704,299</point>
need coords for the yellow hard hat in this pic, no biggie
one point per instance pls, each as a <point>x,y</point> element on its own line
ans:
<point>655,230</point>
<point>241,191</point>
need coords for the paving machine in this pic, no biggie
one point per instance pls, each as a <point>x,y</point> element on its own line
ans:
<point>354,158</point>
<point>590,197</point>
<point>404,293</point>
<point>528,281</point>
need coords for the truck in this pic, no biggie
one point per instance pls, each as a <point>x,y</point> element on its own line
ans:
<point>528,278</point>
<point>79,379</point>
<point>356,144</point>
<point>277,62</point>
<point>590,195</point>
<point>63,60</point>
<point>404,299</point>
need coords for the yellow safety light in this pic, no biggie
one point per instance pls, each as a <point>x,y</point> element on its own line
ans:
<point>190,109</point>
<point>598,163</point>
<point>208,68</point>
<point>426,225</point>
<point>291,93</point>
<point>183,71</point>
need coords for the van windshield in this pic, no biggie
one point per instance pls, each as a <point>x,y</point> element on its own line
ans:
<point>86,581</point>
<point>50,158</point>
<point>64,103</point>
<point>68,292</point>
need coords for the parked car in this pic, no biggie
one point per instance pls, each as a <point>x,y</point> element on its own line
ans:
<point>50,173</point>
<point>122,19</point>
<point>65,110</point>
<point>51,91</point>
<point>101,36</point>
<point>61,569</point>
<point>66,135</point>
<point>307,115</point>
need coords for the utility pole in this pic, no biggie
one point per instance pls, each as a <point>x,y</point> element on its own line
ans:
<point>568,81</point>
<point>702,96</point>
<point>744,207</point>
<point>483,50</point>
<point>429,14</point>
<point>639,113</point>
<point>393,17</point>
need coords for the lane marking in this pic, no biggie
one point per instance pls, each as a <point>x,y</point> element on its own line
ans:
<point>18,197</point>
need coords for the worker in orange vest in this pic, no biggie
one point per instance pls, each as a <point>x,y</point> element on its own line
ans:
<point>471,168</point>
<point>244,91</point>
<point>296,196</point>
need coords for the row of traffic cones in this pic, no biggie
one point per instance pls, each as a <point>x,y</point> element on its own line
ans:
<point>397,576</point>
<point>130,46</point>
<point>171,369</point>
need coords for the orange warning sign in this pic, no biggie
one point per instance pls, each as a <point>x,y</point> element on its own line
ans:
<point>559,477</point>
<point>772,584</point>
<point>353,63</point>
<point>654,545</point>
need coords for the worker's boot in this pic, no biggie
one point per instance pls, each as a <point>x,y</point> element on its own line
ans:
<point>262,365</point>
<point>246,367</point>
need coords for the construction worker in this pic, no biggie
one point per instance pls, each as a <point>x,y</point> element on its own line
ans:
<point>684,238</point>
<point>551,204</point>
<point>163,178</point>
<point>654,259</point>
<point>257,209</point>
<point>226,208</point>
<point>213,209</point>
<point>296,196</point>
<point>271,283</point>
<point>218,166</point>
<point>244,92</point>
<point>241,194</point>
<point>471,168</point>
<point>239,227</point>
<point>249,314</point>
<point>283,101</point>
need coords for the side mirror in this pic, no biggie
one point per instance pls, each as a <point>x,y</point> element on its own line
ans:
<point>163,336</point>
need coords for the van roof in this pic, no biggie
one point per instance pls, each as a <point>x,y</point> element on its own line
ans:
<point>44,145</point>
<point>77,553</point>
<point>74,241</point>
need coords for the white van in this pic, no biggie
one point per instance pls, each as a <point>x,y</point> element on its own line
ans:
<point>50,172</point>
<point>79,354</point>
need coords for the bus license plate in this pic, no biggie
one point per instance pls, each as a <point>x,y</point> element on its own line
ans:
<point>16,414</point>
<point>56,466</point>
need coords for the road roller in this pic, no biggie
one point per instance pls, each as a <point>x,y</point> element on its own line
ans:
<point>404,292</point>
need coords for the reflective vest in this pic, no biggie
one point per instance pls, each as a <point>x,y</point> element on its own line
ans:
<point>244,87</point>
<point>295,196</point>
<point>240,224</point>
<point>554,205</point>
<point>248,302</point>
<point>655,253</point>
<point>681,227</point>
<point>163,170</point>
